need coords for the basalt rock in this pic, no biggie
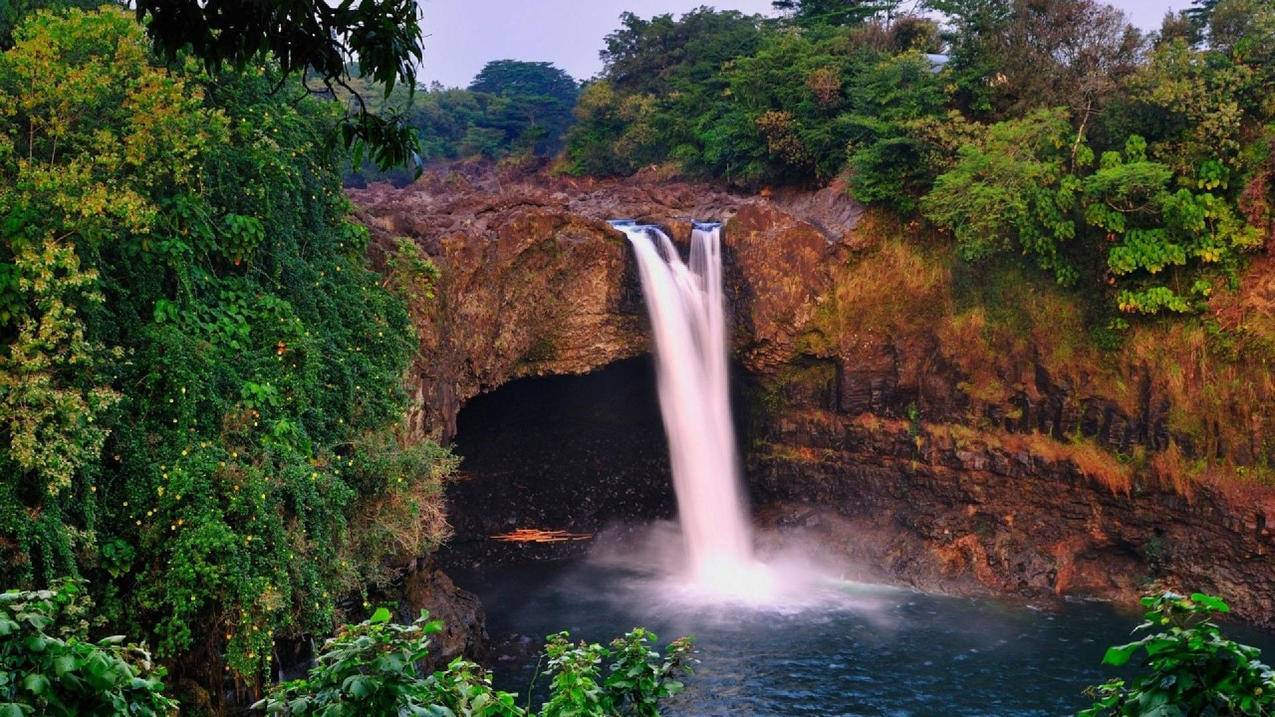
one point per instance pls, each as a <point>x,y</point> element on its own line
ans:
<point>535,282</point>
<point>940,447</point>
<point>464,632</point>
<point>986,516</point>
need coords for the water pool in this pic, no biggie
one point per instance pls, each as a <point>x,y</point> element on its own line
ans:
<point>871,650</point>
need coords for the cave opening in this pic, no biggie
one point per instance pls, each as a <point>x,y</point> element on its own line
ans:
<point>559,453</point>
<point>573,453</point>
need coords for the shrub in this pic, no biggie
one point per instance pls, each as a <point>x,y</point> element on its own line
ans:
<point>200,375</point>
<point>48,665</point>
<point>1189,667</point>
<point>372,669</point>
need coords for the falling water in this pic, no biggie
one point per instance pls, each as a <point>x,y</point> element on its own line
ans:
<point>688,322</point>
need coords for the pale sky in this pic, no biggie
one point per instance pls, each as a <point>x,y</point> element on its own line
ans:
<point>465,34</point>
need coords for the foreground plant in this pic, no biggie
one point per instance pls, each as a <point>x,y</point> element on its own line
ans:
<point>1190,668</point>
<point>48,666</point>
<point>372,669</point>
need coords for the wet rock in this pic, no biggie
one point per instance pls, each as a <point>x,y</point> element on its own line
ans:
<point>464,631</point>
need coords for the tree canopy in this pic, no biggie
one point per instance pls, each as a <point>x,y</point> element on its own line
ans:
<point>382,38</point>
<point>201,378</point>
<point>1135,168</point>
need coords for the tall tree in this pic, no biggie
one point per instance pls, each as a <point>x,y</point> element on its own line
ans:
<point>382,38</point>
<point>835,12</point>
<point>653,56</point>
<point>534,106</point>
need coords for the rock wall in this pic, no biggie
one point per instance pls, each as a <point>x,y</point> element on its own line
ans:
<point>959,431</point>
<point>987,515</point>
<point>535,282</point>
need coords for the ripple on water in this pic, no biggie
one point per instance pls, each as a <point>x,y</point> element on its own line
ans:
<point>817,646</point>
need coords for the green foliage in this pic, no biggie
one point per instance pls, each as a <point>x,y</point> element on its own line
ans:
<point>1188,666</point>
<point>538,101</point>
<point>995,144</point>
<point>511,108</point>
<point>834,12</point>
<point>663,97</point>
<point>411,273</point>
<point>309,36</point>
<point>372,668</point>
<point>896,97</point>
<point>1155,228</point>
<point>49,666</point>
<point>199,373</point>
<point>635,680</point>
<point>1014,189</point>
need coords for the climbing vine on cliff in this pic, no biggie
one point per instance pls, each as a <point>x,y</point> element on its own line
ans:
<point>199,373</point>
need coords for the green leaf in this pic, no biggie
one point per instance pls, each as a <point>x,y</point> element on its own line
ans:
<point>1215,604</point>
<point>380,617</point>
<point>35,683</point>
<point>1119,656</point>
<point>63,664</point>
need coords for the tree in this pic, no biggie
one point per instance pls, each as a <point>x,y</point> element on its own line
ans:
<point>1161,238</point>
<point>1015,188</point>
<point>12,12</point>
<point>383,37</point>
<point>662,54</point>
<point>835,12</point>
<point>974,28</point>
<point>200,374</point>
<point>889,161</point>
<point>538,102</point>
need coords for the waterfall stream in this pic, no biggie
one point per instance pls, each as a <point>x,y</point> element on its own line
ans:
<point>688,324</point>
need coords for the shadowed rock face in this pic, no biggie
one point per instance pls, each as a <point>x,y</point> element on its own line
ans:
<point>874,437</point>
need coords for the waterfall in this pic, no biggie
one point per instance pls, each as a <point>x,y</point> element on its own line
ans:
<point>688,323</point>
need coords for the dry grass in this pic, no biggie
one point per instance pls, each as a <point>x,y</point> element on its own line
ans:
<point>1088,458</point>
<point>895,288</point>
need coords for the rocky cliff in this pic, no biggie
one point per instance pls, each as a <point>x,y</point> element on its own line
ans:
<point>961,428</point>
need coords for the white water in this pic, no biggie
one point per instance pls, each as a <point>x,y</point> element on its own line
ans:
<point>687,312</point>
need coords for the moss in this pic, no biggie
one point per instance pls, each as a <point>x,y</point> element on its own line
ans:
<point>542,349</point>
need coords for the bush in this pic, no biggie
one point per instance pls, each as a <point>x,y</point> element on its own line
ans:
<point>1189,667</point>
<point>372,669</point>
<point>48,666</point>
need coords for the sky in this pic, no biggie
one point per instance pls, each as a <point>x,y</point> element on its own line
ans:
<point>463,35</point>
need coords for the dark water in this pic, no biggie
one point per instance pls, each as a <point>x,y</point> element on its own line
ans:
<point>871,650</point>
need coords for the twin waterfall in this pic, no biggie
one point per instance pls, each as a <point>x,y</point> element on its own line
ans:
<point>688,323</point>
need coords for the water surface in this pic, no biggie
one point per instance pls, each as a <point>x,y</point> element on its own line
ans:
<point>874,651</point>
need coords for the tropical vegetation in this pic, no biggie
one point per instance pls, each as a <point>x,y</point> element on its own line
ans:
<point>513,111</point>
<point>1133,166</point>
<point>1188,666</point>
<point>200,388</point>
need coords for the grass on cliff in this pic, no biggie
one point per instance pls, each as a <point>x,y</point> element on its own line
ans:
<point>999,326</point>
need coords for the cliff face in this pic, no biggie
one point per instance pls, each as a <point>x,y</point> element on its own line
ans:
<point>535,282</point>
<point>958,427</point>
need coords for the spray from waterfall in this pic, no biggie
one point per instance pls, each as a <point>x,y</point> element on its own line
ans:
<point>686,307</point>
